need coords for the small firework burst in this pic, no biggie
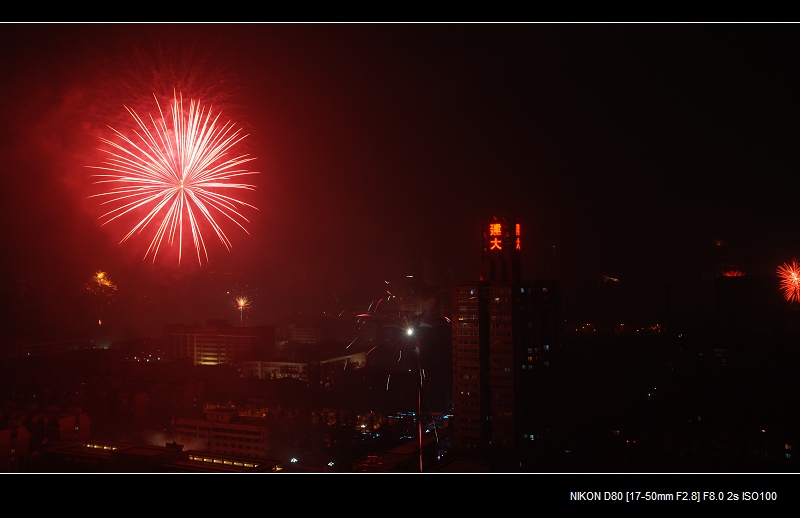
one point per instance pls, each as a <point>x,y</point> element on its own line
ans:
<point>789,275</point>
<point>101,288</point>
<point>242,300</point>
<point>101,285</point>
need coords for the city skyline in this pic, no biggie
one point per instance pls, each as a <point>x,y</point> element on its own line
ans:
<point>635,156</point>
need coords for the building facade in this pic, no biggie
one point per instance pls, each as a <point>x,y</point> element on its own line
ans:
<point>224,432</point>
<point>505,334</point>
<point>218,342</point>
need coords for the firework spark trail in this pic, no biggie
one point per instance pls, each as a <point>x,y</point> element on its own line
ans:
<point>101,287</point>
<point>789,274</point>
<point>398,330</point>
<point>175,173</point>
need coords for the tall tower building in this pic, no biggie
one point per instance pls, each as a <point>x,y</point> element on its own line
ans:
<point>506,332</point>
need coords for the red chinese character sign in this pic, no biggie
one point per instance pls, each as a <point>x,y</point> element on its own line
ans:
<point>501,250</point>
<point>499,231</point>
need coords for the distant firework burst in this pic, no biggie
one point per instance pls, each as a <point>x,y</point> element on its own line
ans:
<point>101,287</point>
<point>789,275</point>
<point>177,173</point>
<point>242,304</point>
<point>243,300</point>
<point>733,273</point>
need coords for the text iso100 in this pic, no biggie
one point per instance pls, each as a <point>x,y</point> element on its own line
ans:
<point>759,495</point>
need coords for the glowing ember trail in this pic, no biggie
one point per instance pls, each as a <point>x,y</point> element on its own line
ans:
<point>789,274</point>
<point>177,173</point>
<point>399,329</point>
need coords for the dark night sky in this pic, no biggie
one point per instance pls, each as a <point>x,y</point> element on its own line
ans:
<point>650,153</point>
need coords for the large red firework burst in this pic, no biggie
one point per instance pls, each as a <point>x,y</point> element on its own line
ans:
<point>789,274</point>
<point>175,173</point>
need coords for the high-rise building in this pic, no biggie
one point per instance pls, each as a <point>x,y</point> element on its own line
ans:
<point>506,332</point>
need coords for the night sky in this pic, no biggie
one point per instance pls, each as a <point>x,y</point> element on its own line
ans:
<point>652,154</point>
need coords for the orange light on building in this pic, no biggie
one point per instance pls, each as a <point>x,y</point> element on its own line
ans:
<point>516,229</point>
<point>495,229</point>
<point>497,244</point>
<point>518,244</point>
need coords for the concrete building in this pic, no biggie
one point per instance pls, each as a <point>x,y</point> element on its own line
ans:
<point>218,342</point>
<point>505,334</point>
<point>224,432</point>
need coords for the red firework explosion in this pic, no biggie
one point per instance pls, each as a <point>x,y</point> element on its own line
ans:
<point>178,174</point>
<point>789,274</point>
